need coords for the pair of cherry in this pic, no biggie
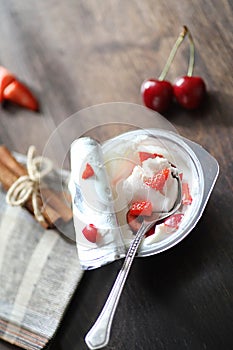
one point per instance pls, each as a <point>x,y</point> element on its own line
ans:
<point>188,90</point>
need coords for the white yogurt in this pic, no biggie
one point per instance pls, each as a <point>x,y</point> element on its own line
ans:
<point>127,176</point>
<point>136,189</point>
<point>122,177</point>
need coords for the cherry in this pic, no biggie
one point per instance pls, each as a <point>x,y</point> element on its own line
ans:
<point>157,94</point>
<point>190,90</point>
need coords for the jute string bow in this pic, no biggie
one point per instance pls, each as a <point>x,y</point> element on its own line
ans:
<point>27,186</point>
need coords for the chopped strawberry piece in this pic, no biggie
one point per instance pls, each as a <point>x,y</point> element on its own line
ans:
<point>134,221</point>
<point>174,220</point>
<point>158,155</point>
<point>151,231</point>
<point>6,77</point>
<point>18,93</point>
<point>186,196</point>
<point>157,182</point>
<point>145,155</point>
<point>181,176</point>
<point>90,232</point>
<point>143,208</point>
<point>87,172</point>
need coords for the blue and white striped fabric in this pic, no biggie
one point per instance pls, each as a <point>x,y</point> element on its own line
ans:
<point>39,272</point>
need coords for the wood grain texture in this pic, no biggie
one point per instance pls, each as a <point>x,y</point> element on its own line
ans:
<point>78,53</point>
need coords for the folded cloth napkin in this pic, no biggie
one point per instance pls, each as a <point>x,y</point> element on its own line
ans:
<point>39,272</point>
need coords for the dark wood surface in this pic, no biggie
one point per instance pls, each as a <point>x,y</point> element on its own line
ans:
<point>78,53</point>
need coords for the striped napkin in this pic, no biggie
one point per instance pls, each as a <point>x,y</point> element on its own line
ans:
<point>39,272</point>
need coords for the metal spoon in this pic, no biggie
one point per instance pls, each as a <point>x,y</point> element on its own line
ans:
<point>99,334</point>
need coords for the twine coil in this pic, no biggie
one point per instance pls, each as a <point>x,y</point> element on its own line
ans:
<point>28,185</point>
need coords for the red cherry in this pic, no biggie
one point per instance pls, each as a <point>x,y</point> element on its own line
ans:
<point>157,94</point>
<point>189,91</point>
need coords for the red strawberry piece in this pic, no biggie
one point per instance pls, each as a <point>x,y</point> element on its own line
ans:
<point>174,220</point>
<point>88,172</point>
<point>90,232</point>
<point>6,77</point>
<point>186,196</point>
<point>151,231</point>
<point>145,155</point>
<point>158,155</point>
<point>18,93</point>
<point>134,221</point>
<point>157,182</point>
<point>143,208</point>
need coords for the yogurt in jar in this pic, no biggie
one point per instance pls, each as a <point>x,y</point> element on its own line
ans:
<point>139,168</point>
<point>130,172</point>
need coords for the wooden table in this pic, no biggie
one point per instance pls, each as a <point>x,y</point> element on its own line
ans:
<point>75,54</point>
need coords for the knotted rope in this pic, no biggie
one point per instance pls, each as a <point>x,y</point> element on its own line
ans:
<point>28,185</point>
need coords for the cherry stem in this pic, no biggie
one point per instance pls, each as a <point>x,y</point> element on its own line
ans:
<point>173,52</point>
<point>192,53</point>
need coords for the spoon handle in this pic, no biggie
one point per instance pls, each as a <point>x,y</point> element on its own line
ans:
<point>99,334</point>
